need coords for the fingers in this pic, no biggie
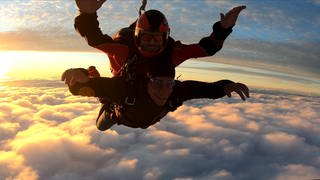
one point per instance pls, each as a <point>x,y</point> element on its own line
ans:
<point>241,89</point>
<point>228,93</point>
<point>221,16</point>
<point>242,7</point>
<point>240,93</point>
<point>63,76</point>
<point>72,76</point>
<point>229,19</point>
<point>237,9</point>
<point>66,75</point>
<point>245,90</point>
<point>234,12</point>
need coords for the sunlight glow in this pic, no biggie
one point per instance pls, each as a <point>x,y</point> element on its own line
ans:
<point>22,65</point>
<point>35,65</point>
<point>5,66</point>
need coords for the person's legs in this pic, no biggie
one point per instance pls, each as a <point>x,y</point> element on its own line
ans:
<point>105,118</point>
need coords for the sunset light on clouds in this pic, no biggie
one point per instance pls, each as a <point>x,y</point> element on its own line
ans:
<point>46,133</point>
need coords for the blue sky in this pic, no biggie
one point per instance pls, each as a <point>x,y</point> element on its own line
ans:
<point>277,36</point>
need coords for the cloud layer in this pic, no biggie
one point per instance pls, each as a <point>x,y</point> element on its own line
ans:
<point>45,133</point>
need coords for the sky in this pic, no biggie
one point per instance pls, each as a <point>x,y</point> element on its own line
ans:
<point>275,36</point>
<point>46,133</point>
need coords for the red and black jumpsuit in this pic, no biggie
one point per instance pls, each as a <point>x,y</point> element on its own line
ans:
<point>121,47</point>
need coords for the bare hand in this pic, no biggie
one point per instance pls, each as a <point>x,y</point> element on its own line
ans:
<point>72,76</point>
<point>241,89</point>
<point>229,19</point>
<point>89,6</point>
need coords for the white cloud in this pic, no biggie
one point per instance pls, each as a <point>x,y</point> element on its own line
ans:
<point>298,171</point>
<point>12,167</point>
<point>48,134</point>
<point>316,2</point>
<point>152,173</point>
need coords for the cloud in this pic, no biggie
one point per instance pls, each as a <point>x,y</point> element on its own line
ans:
<point>39,25</point>
<point>298,171</point>
<point>288,57</point>
<point>12,167</point>
<point>36,40</point>
<point>16,14</point>
<point>52,135</point>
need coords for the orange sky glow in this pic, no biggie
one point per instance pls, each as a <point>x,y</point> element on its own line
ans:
<point>17,65</point>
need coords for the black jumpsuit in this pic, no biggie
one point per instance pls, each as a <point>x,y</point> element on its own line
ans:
<point>145,112</point>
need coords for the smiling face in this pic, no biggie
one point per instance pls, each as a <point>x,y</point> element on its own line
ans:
<point>151,33</point>
<point>159,89</point>
<point>150,43</point>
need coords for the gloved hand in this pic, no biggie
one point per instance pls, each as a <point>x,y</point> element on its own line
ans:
<point>89,6</point>
<point>241,89</point>
<point>229,19</point>
<point>93,72</point>
<point>72,76</point>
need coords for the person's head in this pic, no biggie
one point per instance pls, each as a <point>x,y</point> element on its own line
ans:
<point>151,33</point>
<point>160,84</point>
<point>160,88</point>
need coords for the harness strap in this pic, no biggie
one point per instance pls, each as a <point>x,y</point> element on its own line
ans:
<point>124,69</point>
<point>130,100</point>
<point>143,6</point>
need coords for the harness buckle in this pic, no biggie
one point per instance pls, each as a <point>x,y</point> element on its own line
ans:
<point>130,101</point>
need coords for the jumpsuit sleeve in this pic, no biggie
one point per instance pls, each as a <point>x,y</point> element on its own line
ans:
<point>113,88</point>
<point>87,25</point>
<point>207,46</point>
<point>186,90</point>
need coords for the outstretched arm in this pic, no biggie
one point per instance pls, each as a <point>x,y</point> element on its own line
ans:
<point>80,84</point>
<point>209,45</point>
<point>187,90</point>
<point>221,30</point>
<point>87,23</point>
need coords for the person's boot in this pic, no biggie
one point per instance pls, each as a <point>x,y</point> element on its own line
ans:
<point>105,118</point>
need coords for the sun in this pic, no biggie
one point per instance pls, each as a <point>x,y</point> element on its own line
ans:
<point>5,66</point>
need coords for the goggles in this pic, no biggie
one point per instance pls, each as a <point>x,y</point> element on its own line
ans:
<point>159,83</point>
<point>147,36</point>
<point>157,38</point>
